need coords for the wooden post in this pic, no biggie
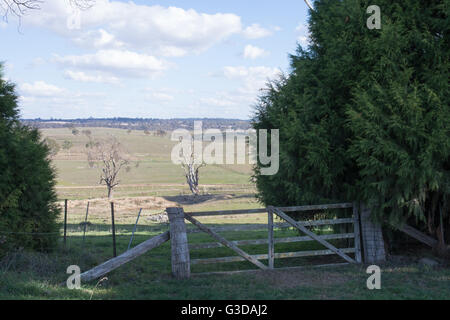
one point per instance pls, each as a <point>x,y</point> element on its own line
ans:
<point>181,265</point>
<point>357,232</point>
<point>372,238</point>
<point>85,222</point>
<point>271,256</point>
<point>113,230</point>
<point>134,229</point>
<point>65,223</point>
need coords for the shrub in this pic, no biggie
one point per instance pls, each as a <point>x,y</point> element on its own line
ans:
<point>28,209</point>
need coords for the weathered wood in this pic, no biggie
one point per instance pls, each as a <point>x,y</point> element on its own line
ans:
<point>372,238</point>
<point>275,270</point>
<point>181,268</point>
<point>226,212</point>
<point>317,207</point>
<point>270,240</point>
<point>225,242</point>
<point>135,252</point>
<point>420,236</point>
<point>264,210</point>
<point>85,222</point>
<point>255,227</point>
<point>357,233</point>
<point>211,245</point>
<point>313,235</point>
<point>65,223</point>
<point>113,226</point>
<point>316,223</point>
<point>283,255</point>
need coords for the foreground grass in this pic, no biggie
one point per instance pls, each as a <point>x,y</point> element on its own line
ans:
<point>39,276</point>
<point>144,282</point>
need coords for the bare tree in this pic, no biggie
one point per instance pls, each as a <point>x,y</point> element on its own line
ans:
<point>53,147</point>
<point>191,166</point>
<point>112,157</point>
<point>67,145</point>
<point>19,8</point>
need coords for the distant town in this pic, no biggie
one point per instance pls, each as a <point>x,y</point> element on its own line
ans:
<point>139,123</point>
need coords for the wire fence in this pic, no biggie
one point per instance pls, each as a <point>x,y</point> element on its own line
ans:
<point>80,241</point>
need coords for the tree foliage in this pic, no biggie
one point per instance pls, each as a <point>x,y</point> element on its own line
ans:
<point>28,209</point>
<point>364,114</point>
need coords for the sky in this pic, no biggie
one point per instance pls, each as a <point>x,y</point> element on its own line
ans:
<point>150,59</point>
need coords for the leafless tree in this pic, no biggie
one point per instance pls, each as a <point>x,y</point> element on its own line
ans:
<point>19,8</point>
<point>191,166</point>
<point>112,157</point>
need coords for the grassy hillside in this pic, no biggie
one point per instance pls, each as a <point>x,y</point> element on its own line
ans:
<point>151,161</point>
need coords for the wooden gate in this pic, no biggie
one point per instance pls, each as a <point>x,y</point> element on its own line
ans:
<point>181,261</point>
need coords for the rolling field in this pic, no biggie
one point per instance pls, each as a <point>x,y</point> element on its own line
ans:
<point>150,161</point>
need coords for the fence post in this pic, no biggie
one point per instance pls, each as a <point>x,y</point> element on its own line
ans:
<point>181,268</point>
<point>65,222</point>
<point>271,254</point>
<point>372,238</point>
<point>357,232</point>
<point>85,222</point>
<point>113,230</point>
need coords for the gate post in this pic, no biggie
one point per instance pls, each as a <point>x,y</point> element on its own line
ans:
<point>181,268</point>
<point>357,232</point>
<point>271,255</point>
<point>372,238</point>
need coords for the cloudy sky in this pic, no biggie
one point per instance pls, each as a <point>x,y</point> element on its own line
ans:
<point>150,59</point>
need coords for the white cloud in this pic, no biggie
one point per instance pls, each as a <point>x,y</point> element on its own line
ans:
<point>98,39</point>
<point>168,31</point>
<point>231,103</point>
<point>255,31</point>
<point>41,89</point>
<point>218,102</point>
<point>162,97</point>
<point>83,77</point>
<point>249,81</point>
<point>252,52</point>
<point>303,35</point>
<point>117,62</point>
<point>47,100</point>
<point>254,78</point>
<point>37,62</point>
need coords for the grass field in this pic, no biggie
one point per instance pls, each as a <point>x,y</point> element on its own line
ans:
<point>157,184</point>
<point>37,276</point>
<point>150,161</point>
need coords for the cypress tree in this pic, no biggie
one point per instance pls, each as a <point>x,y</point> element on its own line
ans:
<point>28,209</point>
<point>364,114</point>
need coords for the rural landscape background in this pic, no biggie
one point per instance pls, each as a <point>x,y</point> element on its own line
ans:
<point>353,100</point>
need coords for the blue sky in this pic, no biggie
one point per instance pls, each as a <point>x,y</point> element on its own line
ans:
<point>150,59</point>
